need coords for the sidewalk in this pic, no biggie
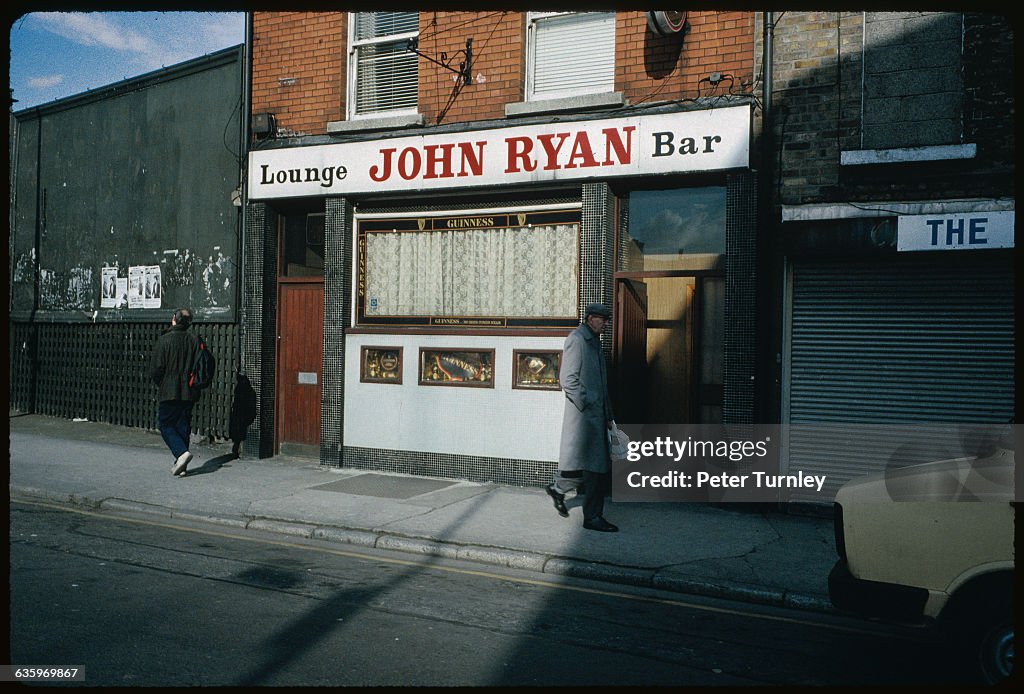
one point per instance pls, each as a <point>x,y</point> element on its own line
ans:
<point>764,557</point>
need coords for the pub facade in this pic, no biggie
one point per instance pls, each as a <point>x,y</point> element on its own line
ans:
<point>432,198</point>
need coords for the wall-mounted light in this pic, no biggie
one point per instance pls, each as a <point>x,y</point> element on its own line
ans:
<point>666,23</point>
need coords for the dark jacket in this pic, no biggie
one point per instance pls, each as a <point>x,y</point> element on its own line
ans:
<point>171,363</point>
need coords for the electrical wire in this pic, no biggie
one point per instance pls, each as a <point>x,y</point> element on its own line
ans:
<point>457,90</point>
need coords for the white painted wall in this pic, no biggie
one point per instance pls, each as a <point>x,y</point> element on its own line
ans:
<point>498,422</point>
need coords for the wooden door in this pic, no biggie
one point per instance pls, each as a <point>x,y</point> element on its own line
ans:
<point>300,322</point>
<point>630,380</point>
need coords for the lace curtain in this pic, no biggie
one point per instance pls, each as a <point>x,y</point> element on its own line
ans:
<point>508,272</point>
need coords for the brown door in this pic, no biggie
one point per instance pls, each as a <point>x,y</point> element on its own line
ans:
<point>299,363</point>
<point>630,380</point>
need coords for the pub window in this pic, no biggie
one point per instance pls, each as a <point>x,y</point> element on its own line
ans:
<point>569,54</point>
<point>678,229</point>
<point>484,270</point>
<point>383,73</point>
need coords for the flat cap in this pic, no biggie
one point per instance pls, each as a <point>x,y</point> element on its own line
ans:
<point>599,310</point>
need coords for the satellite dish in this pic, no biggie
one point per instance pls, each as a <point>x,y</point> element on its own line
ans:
<point>666,23</point>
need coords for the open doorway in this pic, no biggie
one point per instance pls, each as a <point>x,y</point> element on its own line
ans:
<point>669,349</point>
<point>670,308</point>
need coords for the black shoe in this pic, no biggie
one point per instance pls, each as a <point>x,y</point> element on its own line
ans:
<point>559,500</point>
<point>601,525</point>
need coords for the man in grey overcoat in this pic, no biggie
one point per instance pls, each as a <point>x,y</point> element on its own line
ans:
<point>583,456</point>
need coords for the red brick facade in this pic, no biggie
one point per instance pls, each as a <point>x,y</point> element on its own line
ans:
<point>299,63</point>
<point>299,69</point>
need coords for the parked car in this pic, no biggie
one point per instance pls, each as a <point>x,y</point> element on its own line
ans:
<point>933,543</point>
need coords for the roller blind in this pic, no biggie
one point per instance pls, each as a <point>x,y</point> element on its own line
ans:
<point>571,54</point>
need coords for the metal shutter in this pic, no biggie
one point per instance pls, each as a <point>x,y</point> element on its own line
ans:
<point>907,341</point>
<point>573,54</point>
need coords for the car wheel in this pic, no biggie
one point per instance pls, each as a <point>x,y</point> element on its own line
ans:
<point>995,651</point>
<point>986,636</point>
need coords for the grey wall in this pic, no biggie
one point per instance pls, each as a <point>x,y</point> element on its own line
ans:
<point>140,173</point>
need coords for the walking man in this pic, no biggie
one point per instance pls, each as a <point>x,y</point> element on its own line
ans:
<point>169,369</point>
<point>583,456</point>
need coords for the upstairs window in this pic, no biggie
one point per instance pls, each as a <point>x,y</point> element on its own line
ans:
<point>570,54</point>
<point>383,72</point>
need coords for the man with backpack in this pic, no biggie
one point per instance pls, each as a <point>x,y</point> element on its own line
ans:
<point>171,369</point>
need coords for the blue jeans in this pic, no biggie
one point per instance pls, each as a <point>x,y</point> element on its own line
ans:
<point>174,420</point>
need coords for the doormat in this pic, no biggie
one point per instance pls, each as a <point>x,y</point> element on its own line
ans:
<point>384,486</point>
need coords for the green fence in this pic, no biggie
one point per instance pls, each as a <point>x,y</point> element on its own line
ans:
<point>99,372</point>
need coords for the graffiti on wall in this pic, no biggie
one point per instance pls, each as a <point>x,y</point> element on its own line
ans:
<point>179,267</point>
<point>66,290</point>
<point>216,277</point>
<point>25,267</point>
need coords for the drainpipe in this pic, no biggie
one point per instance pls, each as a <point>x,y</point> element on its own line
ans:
<point>244,182</point>
<point>766,368</point>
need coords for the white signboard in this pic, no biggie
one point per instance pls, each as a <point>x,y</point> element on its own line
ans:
<point>955,232</point>
<point>706,140</point>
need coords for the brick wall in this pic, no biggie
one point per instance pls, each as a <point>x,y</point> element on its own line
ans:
<point>299,63</point>
<point>498,64</point>
<point>651,68</point>
<point>817,100</point>
<point>298,71</point>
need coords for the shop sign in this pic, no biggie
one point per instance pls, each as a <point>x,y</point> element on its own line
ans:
<point>955,232</point>
<point>707,140</point>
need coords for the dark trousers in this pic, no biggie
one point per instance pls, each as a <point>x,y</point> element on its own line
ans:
<point>174,420</point>
<point>596,485</point>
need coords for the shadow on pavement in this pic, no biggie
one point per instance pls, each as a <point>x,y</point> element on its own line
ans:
<point>211,465</point>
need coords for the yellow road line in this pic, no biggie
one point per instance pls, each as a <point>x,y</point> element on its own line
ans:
<point>454,570</point>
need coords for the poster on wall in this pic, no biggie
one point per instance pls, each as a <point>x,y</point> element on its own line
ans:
<point>135,287</point>
<point>108,287</point>
<point>152,290</point>
<point>122,293</point>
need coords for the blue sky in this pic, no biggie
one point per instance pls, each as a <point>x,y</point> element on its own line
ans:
<point>59,54</point>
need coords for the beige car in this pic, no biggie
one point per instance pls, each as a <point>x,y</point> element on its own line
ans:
<point>934,543</point>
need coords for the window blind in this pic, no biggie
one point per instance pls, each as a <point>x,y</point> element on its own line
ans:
<point>572,54</point>
<point>386,77</point>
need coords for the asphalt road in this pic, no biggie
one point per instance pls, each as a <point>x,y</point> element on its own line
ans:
<point>138,602</point>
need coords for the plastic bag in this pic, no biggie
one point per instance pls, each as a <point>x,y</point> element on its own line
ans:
<point>618,442</point>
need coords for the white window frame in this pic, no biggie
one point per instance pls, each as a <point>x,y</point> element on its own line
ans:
<point>353,64</point>
<point>532,20</point>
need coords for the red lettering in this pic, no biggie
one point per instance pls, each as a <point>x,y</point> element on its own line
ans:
<point>519,149</point>
<point>383,172</point>
<point>552,151</point>
<point>475,164</point>
<point>409,153</point>
<point>581,150</point>
<point>613,139</point>
<point>433,160</point>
